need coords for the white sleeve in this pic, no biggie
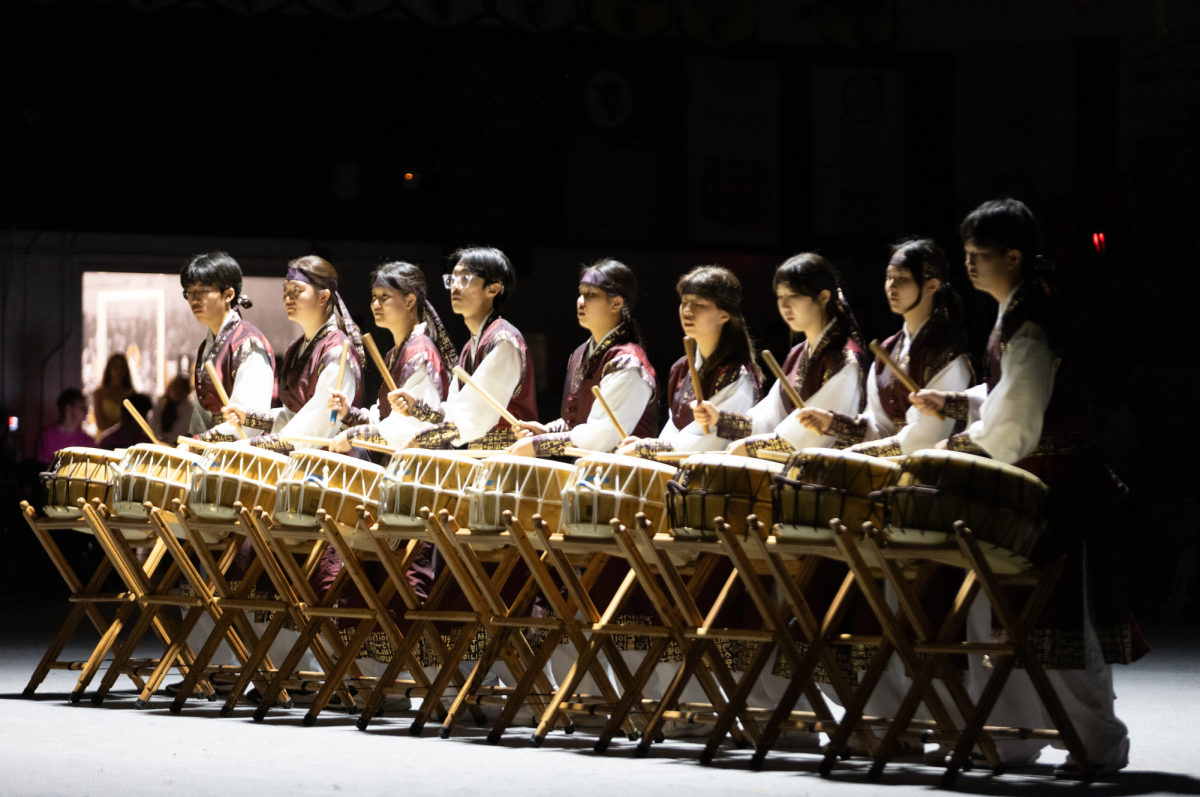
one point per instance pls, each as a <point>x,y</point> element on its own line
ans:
<point>499,374</point>
<point>738,397</point>
<point>1011,417</point>
<point>627,395</point>
<point>312,420</point>
<point>842,393</point>
<point>879,423</point>
<point>768,413</point>
<point>925,431</point>
<point>398,429</point>
<point>251,389</point>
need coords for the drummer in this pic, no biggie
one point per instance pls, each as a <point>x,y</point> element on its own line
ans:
<point>480,283</point>
<point>1031,411</point>
<point>931,347</point>
<point>241,354</point>
<point>419,362</point>
<point>310,367</point>
<point>710,299</point>
<point>825,368</point>
<point>614,359</point>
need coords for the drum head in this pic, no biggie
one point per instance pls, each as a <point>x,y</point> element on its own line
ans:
<point>821,485</point>
<point>601,487</point>
<point>417,478</point>
<point>716,485</point>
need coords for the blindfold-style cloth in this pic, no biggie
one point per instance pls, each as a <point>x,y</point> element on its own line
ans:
<point>434,327</point>
<point>595,277</point>
<point>350,327</point>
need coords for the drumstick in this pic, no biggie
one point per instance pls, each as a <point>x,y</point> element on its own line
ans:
<point>379,362</point>
<point>382,449</point>
<point>137,416</point>
<point>465,378</point>
<point>904,378</point>
<point>193,442</point>
<point>310,440</point>
<point>341,376</point>
<point>784,382</point>
<point>773,456</point>
<point>612,416</point>
<point>689,348</point>
<point>223,396</point>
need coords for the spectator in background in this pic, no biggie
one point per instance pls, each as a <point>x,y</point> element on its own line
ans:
<point>126,432</point>
<point>115,387</point>
<point>174,414</point>
<point>68,432</point>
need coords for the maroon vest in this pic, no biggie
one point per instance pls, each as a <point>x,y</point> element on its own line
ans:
<point>418,351</point>
<point>835,351</point>
<point>934,348</point>
<point>616,352</point>
<point>231,348</point>
<point>523,403</point>
<point>301,372</point>
<point>681,393</point>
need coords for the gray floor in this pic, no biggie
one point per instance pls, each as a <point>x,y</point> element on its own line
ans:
<point>49,747</point>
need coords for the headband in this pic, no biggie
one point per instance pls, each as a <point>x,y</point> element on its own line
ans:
<point>297,275</point>
<point>727,297</point>
<point>595,277</point>
<point>433,322</point>
<point>339,308</point>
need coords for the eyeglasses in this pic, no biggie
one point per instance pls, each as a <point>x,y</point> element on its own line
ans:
<point>461,280</point>
<point>197,293</point>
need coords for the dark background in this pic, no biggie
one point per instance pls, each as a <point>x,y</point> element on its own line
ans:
<point>137,133</point>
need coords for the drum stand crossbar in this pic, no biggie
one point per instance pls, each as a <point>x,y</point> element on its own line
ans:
<point>912,634</point>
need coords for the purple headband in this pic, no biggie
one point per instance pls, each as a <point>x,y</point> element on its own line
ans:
<point>595,277</point>
<point>297,275</point>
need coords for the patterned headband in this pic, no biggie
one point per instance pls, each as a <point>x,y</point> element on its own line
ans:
<point>595,277</point>
<point>297,275</point>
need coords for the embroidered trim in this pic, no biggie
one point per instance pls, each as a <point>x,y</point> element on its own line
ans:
<point>962,442</point>
<point>271,442</point>
<point>356,417</point>
<point>646,449</point>
<point>957,406</point>
<point>733,426</point>
<point>887,447</point>
<point>551,445</point>
<point>412,364</point>
<point>423,412</point>
<point>440,436</point>
<point>212,436</point>
<point>554,427</point>
<point>263,421</point>
<point>767,442</point>
<point>848,431</point>
<point>626,362</point>
<point>494,439</point>
<point>367,433</point>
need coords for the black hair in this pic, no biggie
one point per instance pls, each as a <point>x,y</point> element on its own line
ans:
<point>809,273</point>
<point>67,398</point>
<point>620,276</point>
<point>170,409</point>
<point>215,268</point>
<point>719,285</point>
<point>492,266</point>
<point>399,272</point>
<point>925,260</point>
<point>1008,224</point>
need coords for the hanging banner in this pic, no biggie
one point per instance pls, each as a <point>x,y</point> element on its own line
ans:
<point>733,151</point>
<point>719,23</point>
<point>858,151</point>
<point>444,13</point>
<point>858,24</point>
<point>630,19</point>
<point>537,16</point>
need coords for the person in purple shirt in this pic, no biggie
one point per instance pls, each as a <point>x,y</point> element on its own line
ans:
<point>72,412</point>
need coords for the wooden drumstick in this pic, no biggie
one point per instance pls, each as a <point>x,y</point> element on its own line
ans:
<point>379,361</point>
<point>784,382</point>
<point>341,376</point>
<point>194,443</point>
<point>612,416</point>
<point>465,378</point>
<point>223,396</point>
<point>137,416</point>
<point>906,380</point>
<point>382,449</point>
<point>308,440</point>
<point>689,348</point>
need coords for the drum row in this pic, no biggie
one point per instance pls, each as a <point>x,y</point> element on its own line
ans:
<point>670,527</point>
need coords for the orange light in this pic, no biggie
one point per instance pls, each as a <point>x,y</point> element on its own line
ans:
<point>408,176</point>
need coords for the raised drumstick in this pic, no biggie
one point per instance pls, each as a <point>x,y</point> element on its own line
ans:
<point>689,348</point>
<point>137,416</point>
<point>612,416</point>
<point>784,382</point>
<point>465,378</point>
<point>906,380</point>
<point>379,361</point>
<point>340,377</point>
<point>223,396</point>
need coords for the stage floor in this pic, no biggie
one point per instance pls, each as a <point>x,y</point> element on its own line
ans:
<point>49,747</point>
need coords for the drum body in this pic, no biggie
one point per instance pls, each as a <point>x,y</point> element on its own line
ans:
<point>151,473</point>
<point>338,484</point>
<point>717,485</point>
<point>601,487</point>
<point>78,473</point>
<point>1002,505</point>
<point>522,485</point>
<point>417,478</point>
<point>820,484</point>
<point>230,473</point>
